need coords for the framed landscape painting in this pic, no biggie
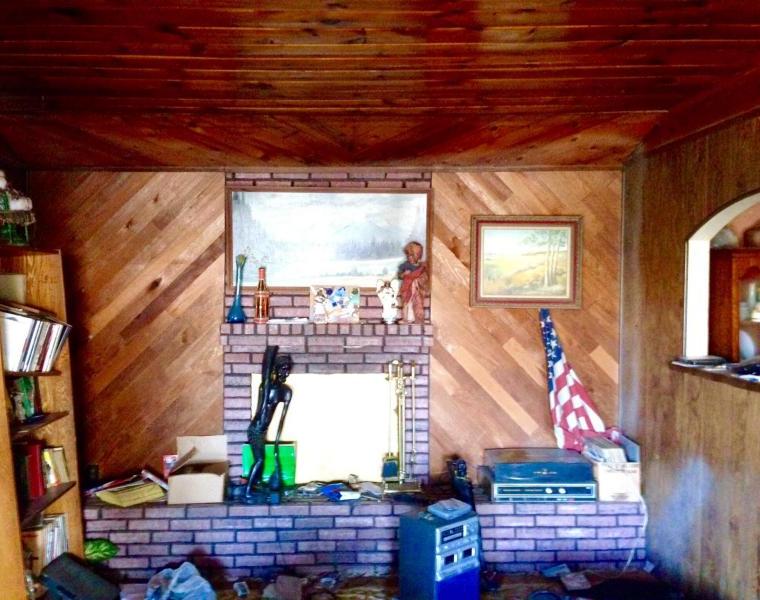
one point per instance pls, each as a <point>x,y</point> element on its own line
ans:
<point>522,262</point>
<point>336,238</point>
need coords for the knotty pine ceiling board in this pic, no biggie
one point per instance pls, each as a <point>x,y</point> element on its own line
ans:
<point>227,83</point>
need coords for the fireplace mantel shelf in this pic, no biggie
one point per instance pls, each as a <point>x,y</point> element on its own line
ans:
<point>366,328</point>
<point>309,338</point>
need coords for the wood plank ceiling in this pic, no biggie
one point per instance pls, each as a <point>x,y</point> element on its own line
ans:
<point>277,83</point>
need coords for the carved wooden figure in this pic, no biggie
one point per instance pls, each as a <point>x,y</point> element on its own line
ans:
<point>415,284</point>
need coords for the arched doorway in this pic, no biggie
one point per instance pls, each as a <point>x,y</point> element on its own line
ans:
<point>697,293</point>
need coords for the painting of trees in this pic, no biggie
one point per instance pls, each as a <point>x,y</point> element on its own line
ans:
<point>554,244</point>
<point>523,260</point>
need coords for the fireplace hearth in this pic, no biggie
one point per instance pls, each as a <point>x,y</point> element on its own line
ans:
<point>229,541</point>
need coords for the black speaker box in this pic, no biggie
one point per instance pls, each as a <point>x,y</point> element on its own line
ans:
<point>66,578</point>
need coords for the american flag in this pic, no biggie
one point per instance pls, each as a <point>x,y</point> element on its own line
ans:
<point>573,411</point>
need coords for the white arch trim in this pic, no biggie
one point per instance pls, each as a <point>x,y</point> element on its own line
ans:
<point>697,293</point>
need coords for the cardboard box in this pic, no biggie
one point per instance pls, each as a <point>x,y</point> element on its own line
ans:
<point>619,482</point>
<point>200,473</point>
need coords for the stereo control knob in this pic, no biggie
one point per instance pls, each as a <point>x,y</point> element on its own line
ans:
<point>548,490</point>
<point>561,490</point>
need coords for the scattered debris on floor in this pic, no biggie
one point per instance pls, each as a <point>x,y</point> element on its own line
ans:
<point>602,585</point>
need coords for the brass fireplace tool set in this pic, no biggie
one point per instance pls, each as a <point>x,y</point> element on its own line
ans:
<point>398,466</point>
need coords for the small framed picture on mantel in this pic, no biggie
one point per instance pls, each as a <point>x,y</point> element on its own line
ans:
<point>525,261</point>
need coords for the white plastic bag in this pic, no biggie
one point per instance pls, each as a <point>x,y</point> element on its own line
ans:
<point>184,583</point>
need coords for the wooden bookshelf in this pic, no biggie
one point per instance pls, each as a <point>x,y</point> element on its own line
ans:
<point>44,290</point>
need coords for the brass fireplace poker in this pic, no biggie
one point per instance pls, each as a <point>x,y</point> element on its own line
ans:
<point>396,474</point>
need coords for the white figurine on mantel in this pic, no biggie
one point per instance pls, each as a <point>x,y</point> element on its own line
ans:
<point>387,291</point>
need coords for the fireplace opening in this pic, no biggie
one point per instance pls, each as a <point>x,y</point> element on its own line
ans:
<point>341,424</point>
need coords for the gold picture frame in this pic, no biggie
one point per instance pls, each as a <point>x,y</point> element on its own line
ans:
<point>525,261</point>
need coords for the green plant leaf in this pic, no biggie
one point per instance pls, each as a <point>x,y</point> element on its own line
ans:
<point>99,549</point>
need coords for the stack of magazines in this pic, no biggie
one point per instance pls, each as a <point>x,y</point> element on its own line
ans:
<point>31,339</point>
<point>138,489</point>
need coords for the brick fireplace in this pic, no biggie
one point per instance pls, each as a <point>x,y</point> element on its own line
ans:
<point>324,349</point>
<point>229,541</point>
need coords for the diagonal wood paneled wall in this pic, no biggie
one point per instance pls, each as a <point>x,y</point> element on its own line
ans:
<point>144,261</point>
<point>488,367</point>
<point>701,438</point>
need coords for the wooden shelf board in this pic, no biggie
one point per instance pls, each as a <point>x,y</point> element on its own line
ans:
<point>19,430</point>
<point>32,373</point>
<point>37,505</point>
<point>7,250</point>
<point>720,376</point>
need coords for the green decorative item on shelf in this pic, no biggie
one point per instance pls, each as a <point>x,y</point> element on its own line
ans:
<point>100,549</point>
<point>287,461</point>
<point>23,395</point>
<point>16,227</point>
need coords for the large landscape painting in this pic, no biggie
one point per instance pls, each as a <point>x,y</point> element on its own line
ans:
<point>323,238</point>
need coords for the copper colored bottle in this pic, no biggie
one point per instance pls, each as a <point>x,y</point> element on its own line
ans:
<point>261,299</point>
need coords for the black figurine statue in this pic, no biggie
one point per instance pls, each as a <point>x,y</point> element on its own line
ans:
<point>272,391</point>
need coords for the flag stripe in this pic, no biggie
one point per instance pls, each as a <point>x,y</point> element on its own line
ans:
<point>572,409</point>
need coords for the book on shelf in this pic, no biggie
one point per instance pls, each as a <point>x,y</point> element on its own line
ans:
<point>48,469</point>
<point>21,472</point>
<point>54,465</point>
<point>36,477</point>
<point>29,471</point>
<point>31,339</point>
<point>38,468</point>
<point>60,464</point>
<point>45,541</point>
<point>33,541</point>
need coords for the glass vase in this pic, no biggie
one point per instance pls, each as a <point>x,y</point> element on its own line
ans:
<point>236,313</point>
